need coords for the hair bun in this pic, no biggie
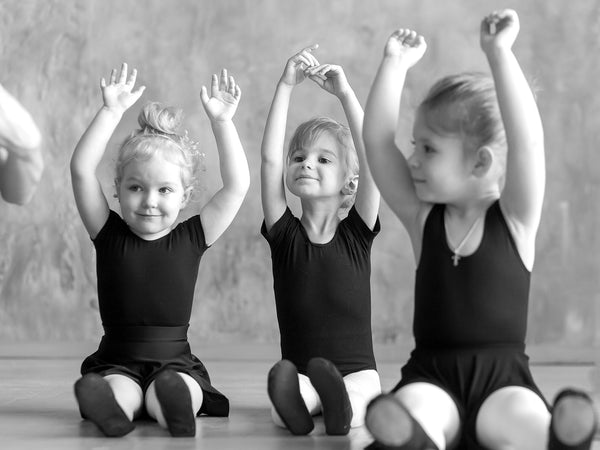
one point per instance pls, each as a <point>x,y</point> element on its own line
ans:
<point>159,119</point>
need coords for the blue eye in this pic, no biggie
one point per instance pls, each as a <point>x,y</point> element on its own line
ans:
<point>324,160</point>
<point>134,188</point>
<point>165,190</point>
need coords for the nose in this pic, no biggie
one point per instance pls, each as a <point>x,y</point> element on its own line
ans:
<point>307,164</point>
<point>150,199</point>
<point>413,160</point>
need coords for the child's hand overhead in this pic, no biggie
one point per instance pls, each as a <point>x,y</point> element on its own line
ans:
<point>118,95</point>
<point>295,68</point>
<point>224,97</point>
<point>499,30</point>
<point>407,45</point>
<point>330,77</point>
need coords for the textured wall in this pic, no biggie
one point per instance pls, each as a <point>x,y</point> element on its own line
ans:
<point>53,52</point>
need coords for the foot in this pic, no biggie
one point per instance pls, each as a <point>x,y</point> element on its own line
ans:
<point>175,402</point>
<point>284,392</point>
<point>573,422</point>
<point>98,404</point>
<point>392,426</point>
<point>329,384</point>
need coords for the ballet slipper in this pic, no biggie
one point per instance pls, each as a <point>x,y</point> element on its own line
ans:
<point>175,402</point>
<point>284,391</point>
<point>393,427</point>
<point>97,403</point>
<point>329,384</point>
<point>575,427</point>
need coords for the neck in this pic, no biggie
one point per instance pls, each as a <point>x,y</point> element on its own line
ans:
<point>320,219</point>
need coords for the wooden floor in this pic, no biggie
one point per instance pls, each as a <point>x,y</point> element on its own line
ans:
<point>38,409</point>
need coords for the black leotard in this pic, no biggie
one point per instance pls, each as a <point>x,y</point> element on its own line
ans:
<point>323,292</point>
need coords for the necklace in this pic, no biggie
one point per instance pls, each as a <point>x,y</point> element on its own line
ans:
<point>456,257</point>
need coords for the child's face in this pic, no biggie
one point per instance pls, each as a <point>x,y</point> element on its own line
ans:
<point>439,167</point>
<point>318,170</point>
<point>151,195</point>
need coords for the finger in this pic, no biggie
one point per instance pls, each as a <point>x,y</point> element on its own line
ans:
<point>102,83</point>
<point>238,92</point>
<point>204,94</point>
<point>132,77</point>
<point>214,84</point>
<point>123,75</point>
<point>223,80</point>
<point>231,86</point>
<point>139,91</point>
<point>113,76</point>
<point>320,81</point>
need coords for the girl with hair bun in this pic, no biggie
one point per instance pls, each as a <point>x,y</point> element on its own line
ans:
<point>147,264</point>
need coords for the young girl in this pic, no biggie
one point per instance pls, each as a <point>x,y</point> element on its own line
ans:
<point>21,161</point>
<point>147,264</point>
<point>470,197</point>
<point>321,264</point>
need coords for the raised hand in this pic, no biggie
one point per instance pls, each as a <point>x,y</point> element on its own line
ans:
<point>295,68</point>
<point>499,30</point>
<point>224,97</point>
<point>407,45</point>
<point>329,77</point>
<point>118,94</point>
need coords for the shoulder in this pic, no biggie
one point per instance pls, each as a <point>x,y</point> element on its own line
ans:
<point>285,223</point>
<point>355,222</point>
<point>192,229</point>
<point>114,224</point>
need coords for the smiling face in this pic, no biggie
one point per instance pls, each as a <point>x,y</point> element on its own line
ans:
<point>151,195</point>
<point>317,170</point>
<point>439,166</point>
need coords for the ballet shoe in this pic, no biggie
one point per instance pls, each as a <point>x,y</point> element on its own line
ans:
<point>393,427</point>
<point>284,391</point>
<point>175,402</point>
<point>574,428</point>
<point>329,384</point>
<point>97,403</point>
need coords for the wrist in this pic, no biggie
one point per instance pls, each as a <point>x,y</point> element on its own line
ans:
<point>497,52</point>
<point>113,111</point>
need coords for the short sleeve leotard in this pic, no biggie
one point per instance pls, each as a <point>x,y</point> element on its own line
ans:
<point>470,320</point>
<point>145,293</point>
<point>322,292</point>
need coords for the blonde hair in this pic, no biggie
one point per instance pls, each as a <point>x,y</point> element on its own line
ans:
<point>159,135</point>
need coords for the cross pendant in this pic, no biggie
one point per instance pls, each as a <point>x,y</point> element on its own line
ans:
<point>455,258</point>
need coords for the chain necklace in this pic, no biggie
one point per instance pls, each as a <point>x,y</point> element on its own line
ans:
<point>456,257</point>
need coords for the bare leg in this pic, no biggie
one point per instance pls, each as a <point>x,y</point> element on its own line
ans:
<point>513,418</point>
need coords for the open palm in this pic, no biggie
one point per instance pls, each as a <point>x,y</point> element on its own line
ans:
<point>118,94</point>
<point>224,97</point>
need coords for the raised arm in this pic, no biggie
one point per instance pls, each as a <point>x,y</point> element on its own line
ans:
<point>220,108</point>
<point>388,165</point>
<point>333,80</point>
<point>523,193</point>
<point>118,95</point>
<point>272,150</point>
<point>21,162</point>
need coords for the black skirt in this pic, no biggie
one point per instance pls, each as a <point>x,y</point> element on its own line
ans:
<point>469,376</point>
<point>142,352</point>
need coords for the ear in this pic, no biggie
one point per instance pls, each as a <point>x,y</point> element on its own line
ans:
<point>484,160</point>
<point>351,185</point>
<point>117,185</point>
<point>187,195</point>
